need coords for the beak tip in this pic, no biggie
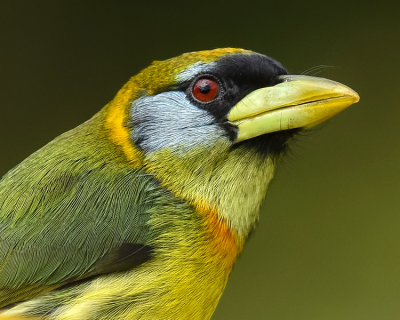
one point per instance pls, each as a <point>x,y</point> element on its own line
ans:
<point>353,95</point>
<point>356,97</point>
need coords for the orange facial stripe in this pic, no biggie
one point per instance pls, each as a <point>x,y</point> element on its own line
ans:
<point>224,239</point>
<point>116,122</point>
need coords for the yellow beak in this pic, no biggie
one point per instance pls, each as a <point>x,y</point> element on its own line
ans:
<point>296,102</point>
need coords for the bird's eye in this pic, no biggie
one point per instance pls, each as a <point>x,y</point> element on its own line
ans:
<point>205,89</point>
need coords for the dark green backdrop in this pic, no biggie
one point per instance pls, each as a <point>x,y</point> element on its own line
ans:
<point>327,246</point>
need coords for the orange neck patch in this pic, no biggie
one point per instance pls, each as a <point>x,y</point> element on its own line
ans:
<point>224,240</point>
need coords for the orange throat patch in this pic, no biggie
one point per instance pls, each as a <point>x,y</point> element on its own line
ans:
<point>225,242</point>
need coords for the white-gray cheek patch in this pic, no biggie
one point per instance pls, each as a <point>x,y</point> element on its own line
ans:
<point>194,70</point>
<point>169,120</point>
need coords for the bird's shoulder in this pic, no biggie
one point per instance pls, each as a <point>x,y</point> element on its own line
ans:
<point>69,212</point>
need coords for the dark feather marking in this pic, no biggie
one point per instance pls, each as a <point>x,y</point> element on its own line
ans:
<point>125,257</point>
<point>9,306</point>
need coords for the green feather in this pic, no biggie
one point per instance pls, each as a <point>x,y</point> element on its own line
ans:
<point>92,207</point>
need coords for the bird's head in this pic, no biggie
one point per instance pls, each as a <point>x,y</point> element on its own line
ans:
<point>210,125</point>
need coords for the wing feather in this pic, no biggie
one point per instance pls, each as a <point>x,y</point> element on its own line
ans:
<point>64,218</point>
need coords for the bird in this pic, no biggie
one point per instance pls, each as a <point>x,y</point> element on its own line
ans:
<point>141,211</point>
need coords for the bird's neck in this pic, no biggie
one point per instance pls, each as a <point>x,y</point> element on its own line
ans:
<point>233,182</point>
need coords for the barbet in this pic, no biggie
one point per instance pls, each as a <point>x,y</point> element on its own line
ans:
<point>141,212</point>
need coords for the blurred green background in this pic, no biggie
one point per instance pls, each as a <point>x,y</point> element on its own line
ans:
<point>327,246</point>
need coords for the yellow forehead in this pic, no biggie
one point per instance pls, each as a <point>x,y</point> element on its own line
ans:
<point>161,74</point>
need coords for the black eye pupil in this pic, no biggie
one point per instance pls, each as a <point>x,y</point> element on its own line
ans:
<point>205,88</point>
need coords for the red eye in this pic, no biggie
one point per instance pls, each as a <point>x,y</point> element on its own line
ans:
<point>205,89</point>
